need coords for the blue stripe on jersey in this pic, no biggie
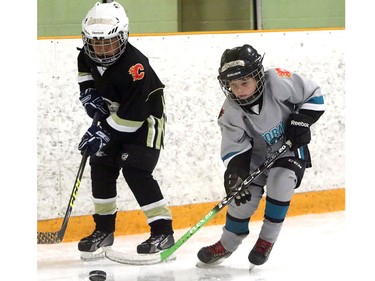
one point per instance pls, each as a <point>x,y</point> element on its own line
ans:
<point>316,100</point>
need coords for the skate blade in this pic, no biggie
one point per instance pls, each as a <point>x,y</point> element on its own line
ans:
<point>251,267</point>
<point>93,256</point>
<point>200,264</point>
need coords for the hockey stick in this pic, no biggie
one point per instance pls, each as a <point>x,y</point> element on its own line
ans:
<point>146,259</point>
<point>56,237</point>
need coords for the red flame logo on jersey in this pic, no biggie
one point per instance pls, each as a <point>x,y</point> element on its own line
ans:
<point>283,73</point>
<point>137,71</point>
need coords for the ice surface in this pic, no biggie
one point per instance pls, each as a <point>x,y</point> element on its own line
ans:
<point>310,247</point>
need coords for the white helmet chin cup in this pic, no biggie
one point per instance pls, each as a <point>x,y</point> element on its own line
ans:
<point>105,21</point>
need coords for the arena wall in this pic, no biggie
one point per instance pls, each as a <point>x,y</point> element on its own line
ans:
<point>190,171</point>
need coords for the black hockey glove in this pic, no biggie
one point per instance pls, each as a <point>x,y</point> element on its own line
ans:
<point>94,140</point>
<point>231,181</point>
<point>298,129</point>
<point>92,102</point>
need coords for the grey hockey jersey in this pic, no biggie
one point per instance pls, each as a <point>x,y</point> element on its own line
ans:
<point>284,93</point>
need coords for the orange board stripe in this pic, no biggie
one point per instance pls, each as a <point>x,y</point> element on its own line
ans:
<point>202,32</point>
<point>186,216</point>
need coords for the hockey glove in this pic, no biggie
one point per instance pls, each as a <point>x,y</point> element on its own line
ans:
<point>94,140</point>
<point>92,102</point>
<point>298,130</point>
<point>231,182</point>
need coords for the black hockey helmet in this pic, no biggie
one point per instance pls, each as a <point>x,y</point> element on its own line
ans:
<point>241,62</point>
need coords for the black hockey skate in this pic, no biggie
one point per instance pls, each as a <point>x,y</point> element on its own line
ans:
<point>156,243</point>
<point>92,247</point>
<point>260,252</point>
<point>214,254</point>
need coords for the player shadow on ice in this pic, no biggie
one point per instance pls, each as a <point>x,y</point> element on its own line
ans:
<point>191,274</point>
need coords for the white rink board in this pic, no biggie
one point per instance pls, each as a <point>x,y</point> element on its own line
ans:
<point>190,169</point>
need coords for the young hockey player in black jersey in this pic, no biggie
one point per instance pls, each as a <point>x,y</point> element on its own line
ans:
<point>116,80</point>
<point>262,110</point>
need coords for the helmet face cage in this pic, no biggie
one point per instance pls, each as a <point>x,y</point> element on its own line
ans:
<point>116,44</point>
<point>258,75</point>
<point>105,29</point>
<point>241,63</point>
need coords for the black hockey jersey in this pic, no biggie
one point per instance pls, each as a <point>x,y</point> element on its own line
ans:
<point>134,95</point>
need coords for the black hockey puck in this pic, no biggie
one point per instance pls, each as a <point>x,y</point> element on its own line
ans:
<point>97,275</point>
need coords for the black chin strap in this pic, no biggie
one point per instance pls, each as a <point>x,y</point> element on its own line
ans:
<point>249,107</point>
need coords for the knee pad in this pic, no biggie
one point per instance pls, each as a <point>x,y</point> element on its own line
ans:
<point>294,164</point>
<point>284,176</point>
<point>135,176</point>
<point>145,188</point>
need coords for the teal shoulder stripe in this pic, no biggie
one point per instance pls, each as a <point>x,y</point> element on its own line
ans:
<point>229,155</point>
<point>316,100</point>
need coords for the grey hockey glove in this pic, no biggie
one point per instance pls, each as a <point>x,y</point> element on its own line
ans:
<point>298,129</point>
<point>93,102</point>
<point>231,181</point>
<point>94,140</point>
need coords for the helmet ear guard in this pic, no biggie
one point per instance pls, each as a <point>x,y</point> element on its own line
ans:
<point>238,63</point>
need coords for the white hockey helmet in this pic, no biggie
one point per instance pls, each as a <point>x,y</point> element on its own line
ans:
<point>105,24</point>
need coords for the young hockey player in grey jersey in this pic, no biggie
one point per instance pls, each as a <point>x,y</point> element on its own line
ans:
<point>117,80</point>
<point>262,110</point>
